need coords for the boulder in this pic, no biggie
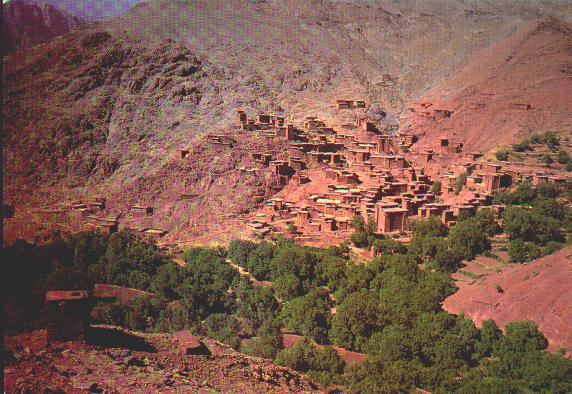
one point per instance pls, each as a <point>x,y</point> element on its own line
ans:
<point>189,344</point>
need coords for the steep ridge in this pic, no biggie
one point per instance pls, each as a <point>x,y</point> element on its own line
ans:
<point>504,93</point>
<point>26,23</point>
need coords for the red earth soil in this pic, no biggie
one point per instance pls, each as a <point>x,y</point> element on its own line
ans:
<point>539,291</point>
<point>489,97</point>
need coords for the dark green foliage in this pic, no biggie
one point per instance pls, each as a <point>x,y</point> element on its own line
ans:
<point>530,225</point>
<point>323,363</point>
<point>166,281</point>
<point>287,287</point>
<point>523,194</point>
<point>356,319</point>
<point>309,315</point>
<point>269,339</point>
<point>389,246</point>
<point>239,250</point>
<point>139,314</point>
<point>364,234</point>
<point>256,305</point>
<point>521,252</point>
<point>224,328</point>
<point>521,146</point>
<point>258,263</point>
<point>486,221</point>
<point>501,155</point>
<point>174,317</point>
<point>489,337</point>
<point>436,188</point>
<point>521,337</point>
<point>564,157</point>
<point>207,280</point>
<point>391,344</point>
<point>467,239</point>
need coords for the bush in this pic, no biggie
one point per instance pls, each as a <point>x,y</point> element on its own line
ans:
<point>239,250</point>
<point>501,155</point>
<point>306,357</point>
<point>521,252</point>
<point>269,340</point>
<point>223,328</point>
<point>521,146</point>
<point>461,181</point>
<point>563,157</point>
<point>309,315</point>
<point>436,188</point>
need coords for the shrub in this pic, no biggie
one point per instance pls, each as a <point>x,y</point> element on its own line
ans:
<point>223,328</point>
<point>521,146</point>
<point>501,155</point>
<point>521,252</point>
<point>563,157</point>
<point>461,181</point>
<point>239,250</point>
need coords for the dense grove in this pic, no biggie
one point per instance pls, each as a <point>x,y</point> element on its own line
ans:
<point>389,308</point>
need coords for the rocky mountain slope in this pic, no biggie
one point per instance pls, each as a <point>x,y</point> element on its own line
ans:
<point>94,10</point>
<point>103,110</point>
<point>538,291</point>
<point>504,93</point>
<point>26,23</point>
<point>76,367</point>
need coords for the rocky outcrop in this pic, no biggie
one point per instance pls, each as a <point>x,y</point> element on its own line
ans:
<point>26,23</point>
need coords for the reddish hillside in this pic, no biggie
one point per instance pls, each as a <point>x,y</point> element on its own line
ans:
<point>157,366</point>
<point>540,291</point>
<point>106,117</point>
<point>517,87</point>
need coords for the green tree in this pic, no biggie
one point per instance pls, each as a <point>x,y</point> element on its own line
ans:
<point>309,315</point>
<point>489,337</point>
<point>269,340</point>
<point>522,252</point>
<point>239,250</point>
<point>287,287</point>
<point>356,318</point>
<point>467,240</point>
<point>256,305</point>
<point>259,261</point>
<point>223,328</point>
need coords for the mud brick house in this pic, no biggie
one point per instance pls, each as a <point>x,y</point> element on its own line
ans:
<point>241,117</point>
<point>153,232</point>
<point>105,225</point>
<point>343,104</point>
<point>281,168</point>
<point>390,219</point>
<point>388,161</point>
<point>67,315</point>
